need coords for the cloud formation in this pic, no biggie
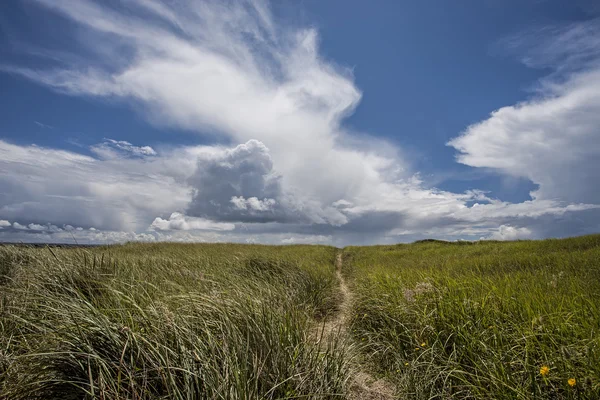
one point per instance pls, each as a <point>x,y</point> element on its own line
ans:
<point>111,148</point>
<point>552,139</point>
<point>285,168</point>
<point>180,222</point>
<point>507,232</point>
<point>61,187</point>
<point>223,181</point>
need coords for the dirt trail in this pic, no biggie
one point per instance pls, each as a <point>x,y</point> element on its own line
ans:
<point>339,321</point>
<point>363,385</point>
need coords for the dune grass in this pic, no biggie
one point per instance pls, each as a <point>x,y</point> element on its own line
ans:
<point>174,321</point>
<point>435,320</point>
<point>484,320</point>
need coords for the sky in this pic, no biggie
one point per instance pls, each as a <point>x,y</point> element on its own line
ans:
<point>330,122</point>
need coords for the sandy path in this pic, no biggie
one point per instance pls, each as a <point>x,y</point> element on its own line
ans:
<point>340,320</point>
<point>363,385</point>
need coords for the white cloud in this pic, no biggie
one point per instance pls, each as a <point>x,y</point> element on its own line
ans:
<point>178,221</point>
<point>111,148</point>
<point>4,223</point>
<point>52,228</point>
<point>563,47</point>
<point>42,125</point>
<point>36,227</point>
<point>61,187</point>
<point>552,139</point>
<point>506,232</point>
<point>252,203</point>
<point>16,225</point>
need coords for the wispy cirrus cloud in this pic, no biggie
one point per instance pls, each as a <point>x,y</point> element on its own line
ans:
<point>42,125</point>
<point>111,148</point>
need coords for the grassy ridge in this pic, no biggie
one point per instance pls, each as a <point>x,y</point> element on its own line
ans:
<point>168,321</point>
<point>514,320</point>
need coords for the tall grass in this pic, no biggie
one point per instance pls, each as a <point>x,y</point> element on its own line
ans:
<point>439,320</point>
<point>482,320</point>
<point>168,321</point>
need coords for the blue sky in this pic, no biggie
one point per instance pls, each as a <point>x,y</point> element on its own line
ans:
<point>321,122</point>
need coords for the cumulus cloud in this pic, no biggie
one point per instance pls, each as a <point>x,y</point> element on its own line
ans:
<point>507,232</point>
<point>4,223</point>
<point>285,167</point>
<point>36,227</point>
<point>253,203</point>
<point>223,180</point>
<point>178,221</point>
<point>241,184</point>
<point>552,139</point>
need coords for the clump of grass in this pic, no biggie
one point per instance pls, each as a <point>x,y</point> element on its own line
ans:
<point>487,320</point>
<point>168,321</point>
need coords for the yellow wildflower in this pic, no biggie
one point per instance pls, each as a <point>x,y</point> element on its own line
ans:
<point>406,364</point>
<point>423,344</point>
<point>572,382</point>
<point>545,370</point>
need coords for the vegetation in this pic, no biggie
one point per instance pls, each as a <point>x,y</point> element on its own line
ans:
<point>429,320</point>
<point>483,320</point>
<point>168,321</point>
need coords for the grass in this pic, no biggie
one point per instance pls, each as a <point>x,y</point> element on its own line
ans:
<point>433,320</point>
<point>480,320</point>
<point>168,321</point>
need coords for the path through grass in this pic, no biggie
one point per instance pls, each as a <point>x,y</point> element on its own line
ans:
<point>362,383</point>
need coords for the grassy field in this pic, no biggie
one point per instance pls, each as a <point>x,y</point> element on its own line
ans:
<point>513,320</point>
<point>485,320</point>
<point>173,321</point>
